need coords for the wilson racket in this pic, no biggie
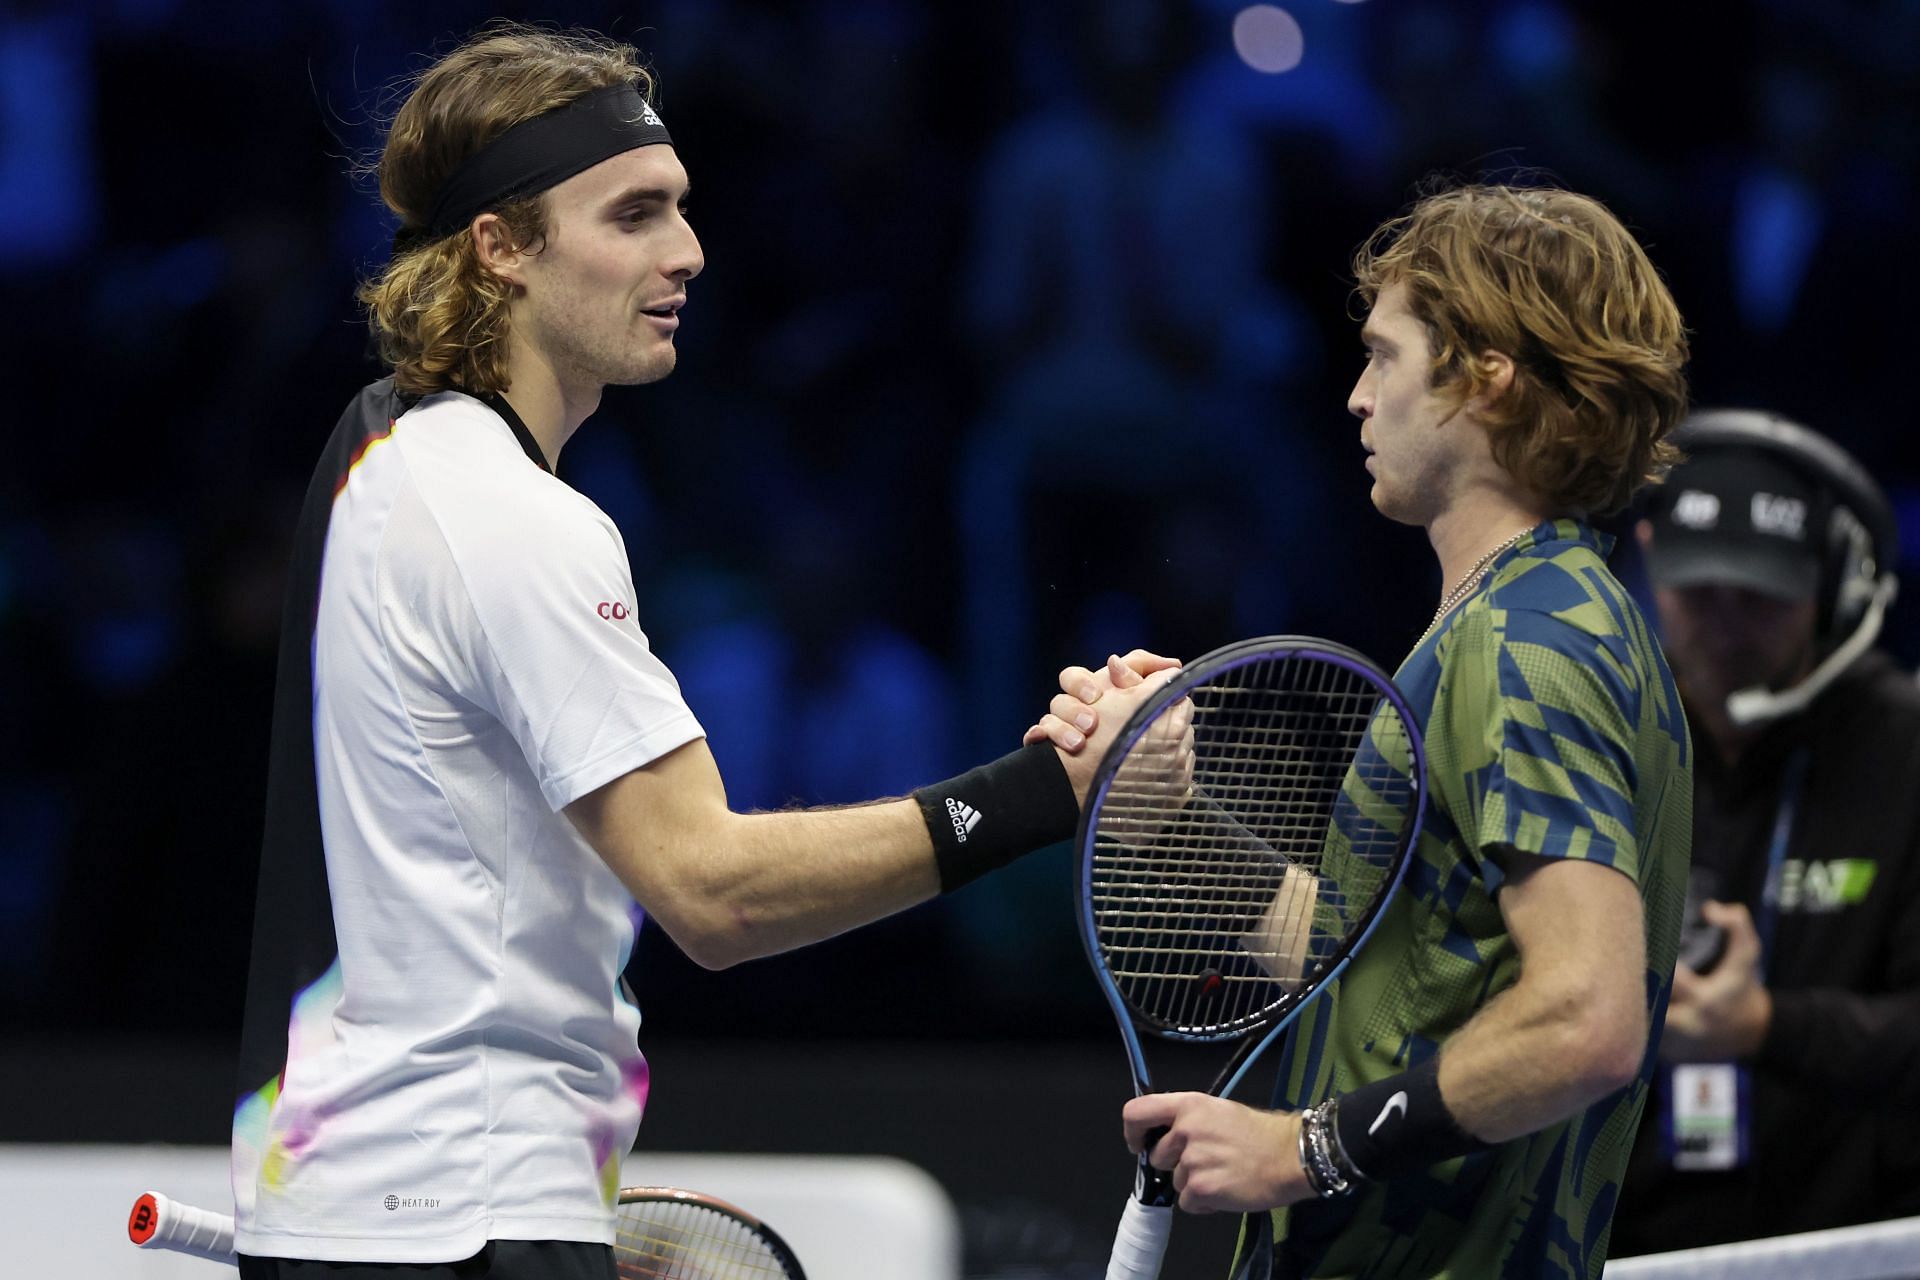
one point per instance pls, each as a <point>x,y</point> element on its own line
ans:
<point>1243,834</point>
<point>159,1223</point>
<point>660,1233</point>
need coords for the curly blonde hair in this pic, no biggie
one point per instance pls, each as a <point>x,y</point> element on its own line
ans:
<point>439,317</point>
<point>1552,280</point>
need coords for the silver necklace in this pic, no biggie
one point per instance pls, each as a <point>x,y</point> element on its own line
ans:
<point>1470,580</point>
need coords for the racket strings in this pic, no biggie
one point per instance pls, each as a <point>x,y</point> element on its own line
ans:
<point>1248,827</point>
<point>678,1239</point>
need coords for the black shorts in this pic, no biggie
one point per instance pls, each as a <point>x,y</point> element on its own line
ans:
<point>500,1260</point>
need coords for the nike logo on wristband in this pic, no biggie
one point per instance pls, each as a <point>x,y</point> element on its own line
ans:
<point>1398,1100</point>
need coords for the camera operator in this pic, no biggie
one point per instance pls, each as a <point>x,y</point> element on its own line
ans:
<point>1789,1099</point>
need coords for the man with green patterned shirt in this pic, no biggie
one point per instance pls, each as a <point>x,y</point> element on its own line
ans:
<point>1479,1069</point>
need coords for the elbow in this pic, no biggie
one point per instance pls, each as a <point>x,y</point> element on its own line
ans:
<point>1616,1067</point>
<point>710,934</point>
<point>710,920</point>
<point>1608,1047</point>
<point>711,952</point>
<point>695,891</point>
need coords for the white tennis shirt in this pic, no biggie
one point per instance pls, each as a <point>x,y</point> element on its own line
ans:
<point>468,1069</point>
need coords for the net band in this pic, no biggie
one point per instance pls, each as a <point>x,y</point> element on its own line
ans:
<point>1877,1251</point>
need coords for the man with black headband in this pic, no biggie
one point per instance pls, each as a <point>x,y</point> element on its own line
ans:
<point>479,765</point>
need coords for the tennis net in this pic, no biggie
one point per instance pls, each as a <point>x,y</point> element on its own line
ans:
<point>1875,1251</point>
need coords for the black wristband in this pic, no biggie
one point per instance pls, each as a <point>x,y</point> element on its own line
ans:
<point>987,817</point>
<point>1400,1125</point>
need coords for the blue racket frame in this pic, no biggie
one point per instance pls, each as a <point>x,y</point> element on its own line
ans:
<point>1205,670</point>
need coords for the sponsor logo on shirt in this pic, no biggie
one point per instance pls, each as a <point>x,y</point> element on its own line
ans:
<point>613,611</point>
<point>1818,888</point>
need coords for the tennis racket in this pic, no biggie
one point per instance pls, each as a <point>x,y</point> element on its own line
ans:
<point>1243,834</point>
<point>660,1233</point>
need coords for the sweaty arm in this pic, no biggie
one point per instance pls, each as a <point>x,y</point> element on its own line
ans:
<point>1573,1027</point>
<point>728,886</point>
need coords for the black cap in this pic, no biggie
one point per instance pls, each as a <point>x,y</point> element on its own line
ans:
<point>1738,517</point>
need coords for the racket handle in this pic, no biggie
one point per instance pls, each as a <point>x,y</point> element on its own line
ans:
<point>1141,1243</point>
<point>159,1223</point>
<point>1153,1186</point>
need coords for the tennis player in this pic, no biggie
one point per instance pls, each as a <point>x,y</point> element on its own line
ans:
<point>1477,1073</point>
<point>479,765</point>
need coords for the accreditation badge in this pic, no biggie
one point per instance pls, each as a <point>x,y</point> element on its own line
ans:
<point>1707,1115</point>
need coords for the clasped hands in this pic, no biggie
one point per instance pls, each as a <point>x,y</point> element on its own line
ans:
<point>1224,1156</point>
<point>1156,779</point>
<point>1073,715</point>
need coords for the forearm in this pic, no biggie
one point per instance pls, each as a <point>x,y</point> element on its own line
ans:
<point>771,882</point>
<point>1280,942</point>
<point>1533,1057</point>
<point>729,887</point>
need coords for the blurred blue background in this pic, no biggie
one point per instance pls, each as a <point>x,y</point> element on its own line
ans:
<point>1025,336</point>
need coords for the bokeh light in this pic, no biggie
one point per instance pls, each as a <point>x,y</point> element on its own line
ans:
<point>1268,38</point>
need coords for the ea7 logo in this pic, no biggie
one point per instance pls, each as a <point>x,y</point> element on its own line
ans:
<point>1785,517</point>
<point>1697,510</point>
<point>1817,888</point>
<point>613,611</point>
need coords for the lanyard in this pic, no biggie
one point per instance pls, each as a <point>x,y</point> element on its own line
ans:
<point>1792,781</point>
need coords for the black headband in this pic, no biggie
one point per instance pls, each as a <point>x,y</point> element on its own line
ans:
<point>540,153</point>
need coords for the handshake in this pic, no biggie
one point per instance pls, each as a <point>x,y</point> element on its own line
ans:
<point>1153,817</point>
<point>1093,706</point>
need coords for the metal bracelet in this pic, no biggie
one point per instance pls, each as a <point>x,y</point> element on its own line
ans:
<point>1336,1149</point>
<point>1306,1157</point>
<point>1316,1154</point>
<point>1323,1138</point>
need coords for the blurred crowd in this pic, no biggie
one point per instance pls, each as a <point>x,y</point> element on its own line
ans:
<point>1025,336</point>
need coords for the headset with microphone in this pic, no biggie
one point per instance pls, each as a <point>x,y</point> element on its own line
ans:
<point>1861,544</point>
<point>1857,549</point>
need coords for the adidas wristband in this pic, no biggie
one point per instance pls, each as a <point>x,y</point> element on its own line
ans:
<point>1400,1125</point>
<point>987,817</point>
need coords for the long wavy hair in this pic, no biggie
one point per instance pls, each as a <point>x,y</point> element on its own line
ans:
<point>1552,280</point>
<point>438,316</point>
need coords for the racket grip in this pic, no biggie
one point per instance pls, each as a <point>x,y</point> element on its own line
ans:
<point>1141,1243</point>
<point>1153,1186</point>
<point>159,1223</point>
